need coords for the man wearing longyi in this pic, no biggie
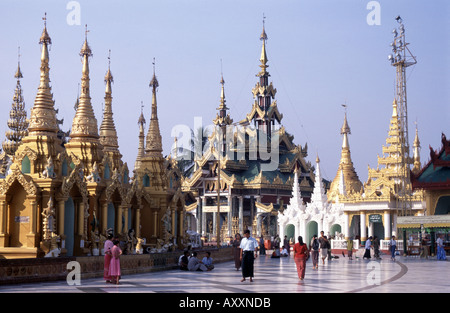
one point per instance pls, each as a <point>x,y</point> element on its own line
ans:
<point>249,247</point>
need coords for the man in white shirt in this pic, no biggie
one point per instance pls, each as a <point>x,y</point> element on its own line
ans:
<point>367,247</point>
<point>249,247</point>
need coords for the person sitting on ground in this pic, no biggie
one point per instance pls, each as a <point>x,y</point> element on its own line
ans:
<point>284,252</point>
<point>184,261</point>
<point>276,253</point>
<point>208,261</point>
<point>195,264</point>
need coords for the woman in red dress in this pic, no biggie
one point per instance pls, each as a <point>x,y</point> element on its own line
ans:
<point>301,254</point>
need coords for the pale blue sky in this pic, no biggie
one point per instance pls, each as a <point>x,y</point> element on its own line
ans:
<point>321,54</point>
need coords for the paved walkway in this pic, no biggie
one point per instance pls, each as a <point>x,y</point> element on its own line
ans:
<point>412,275</point>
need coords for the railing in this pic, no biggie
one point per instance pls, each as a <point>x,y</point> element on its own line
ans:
<point>384,245</point>
<point>342,244</point>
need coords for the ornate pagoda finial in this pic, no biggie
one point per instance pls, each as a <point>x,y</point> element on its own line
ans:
<point>108,77</point>
<point>18,74</point>
<point>154,82</point>
<point>154,139</point>
<point>263,34</point>
<point>43,115</point>
<point>222,117</point>
<point>222,105</point>
<point>45,38</point>
<point>108,133</point>
<point>141,146</point>
<point>263,59</point>
<point>84,124</point>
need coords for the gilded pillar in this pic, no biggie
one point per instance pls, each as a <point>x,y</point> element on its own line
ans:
<point>155,223</point>
<point>3,220</point>
<point>181,223</point>
<point>34,220</point>
<point>125,213</point>
<point>81,209</point>
<point>60,220</point>
<point>137,225</point>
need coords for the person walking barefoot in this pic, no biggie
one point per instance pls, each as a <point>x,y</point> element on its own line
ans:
<point>249,247</point>
<point>301,254</point>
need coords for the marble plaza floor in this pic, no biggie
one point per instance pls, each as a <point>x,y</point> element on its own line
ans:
<point>406,274</point>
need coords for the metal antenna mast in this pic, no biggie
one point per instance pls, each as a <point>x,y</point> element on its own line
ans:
<point>401,58</point>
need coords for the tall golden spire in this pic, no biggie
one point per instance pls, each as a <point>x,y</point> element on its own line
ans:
<point>346,180</point>
<point>141,147</point>
<point>84,125</point>
<point>43,115</point>
<point>263,59</point>
<point>108,133</point>
<point>416,166</point>
<point>222,118</point>
<point>154,139</point>
<point>345,131</point>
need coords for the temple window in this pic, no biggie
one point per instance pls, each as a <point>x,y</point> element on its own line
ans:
<point>26,165</point>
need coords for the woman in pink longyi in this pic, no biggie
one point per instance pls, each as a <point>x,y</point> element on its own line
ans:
<point>107,248</point>
<point>114,266</point>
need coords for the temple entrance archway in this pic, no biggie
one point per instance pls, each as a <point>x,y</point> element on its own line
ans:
<point>355,228</point>
<point>443,206</point>
<point>335,228</point>
<point>311,229</point>
<point>20,216</point>
<point>289,231</point>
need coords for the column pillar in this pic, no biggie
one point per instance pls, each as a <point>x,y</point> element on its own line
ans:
<point>104,217</point>
<point>363,227</point>
<point>258,224</point>
<point>371,226</point>
<point>302,231</point>
<point>394,223</point>
<point>241,215</point>
<point>60,214</point>
<point>214,234</point>
<point>199,216</point>
<point>3,221</point>
<point>137,225</point>
<point>173,214</point>
<point>125,214</point>
<point>387,225</point>
<point>81,218</point>
<point>281,231</point>
<point>346,226</point>
<point>230,215</point>
<point>204,216</point>
<point>34,220</point>
<point>155,223</point>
